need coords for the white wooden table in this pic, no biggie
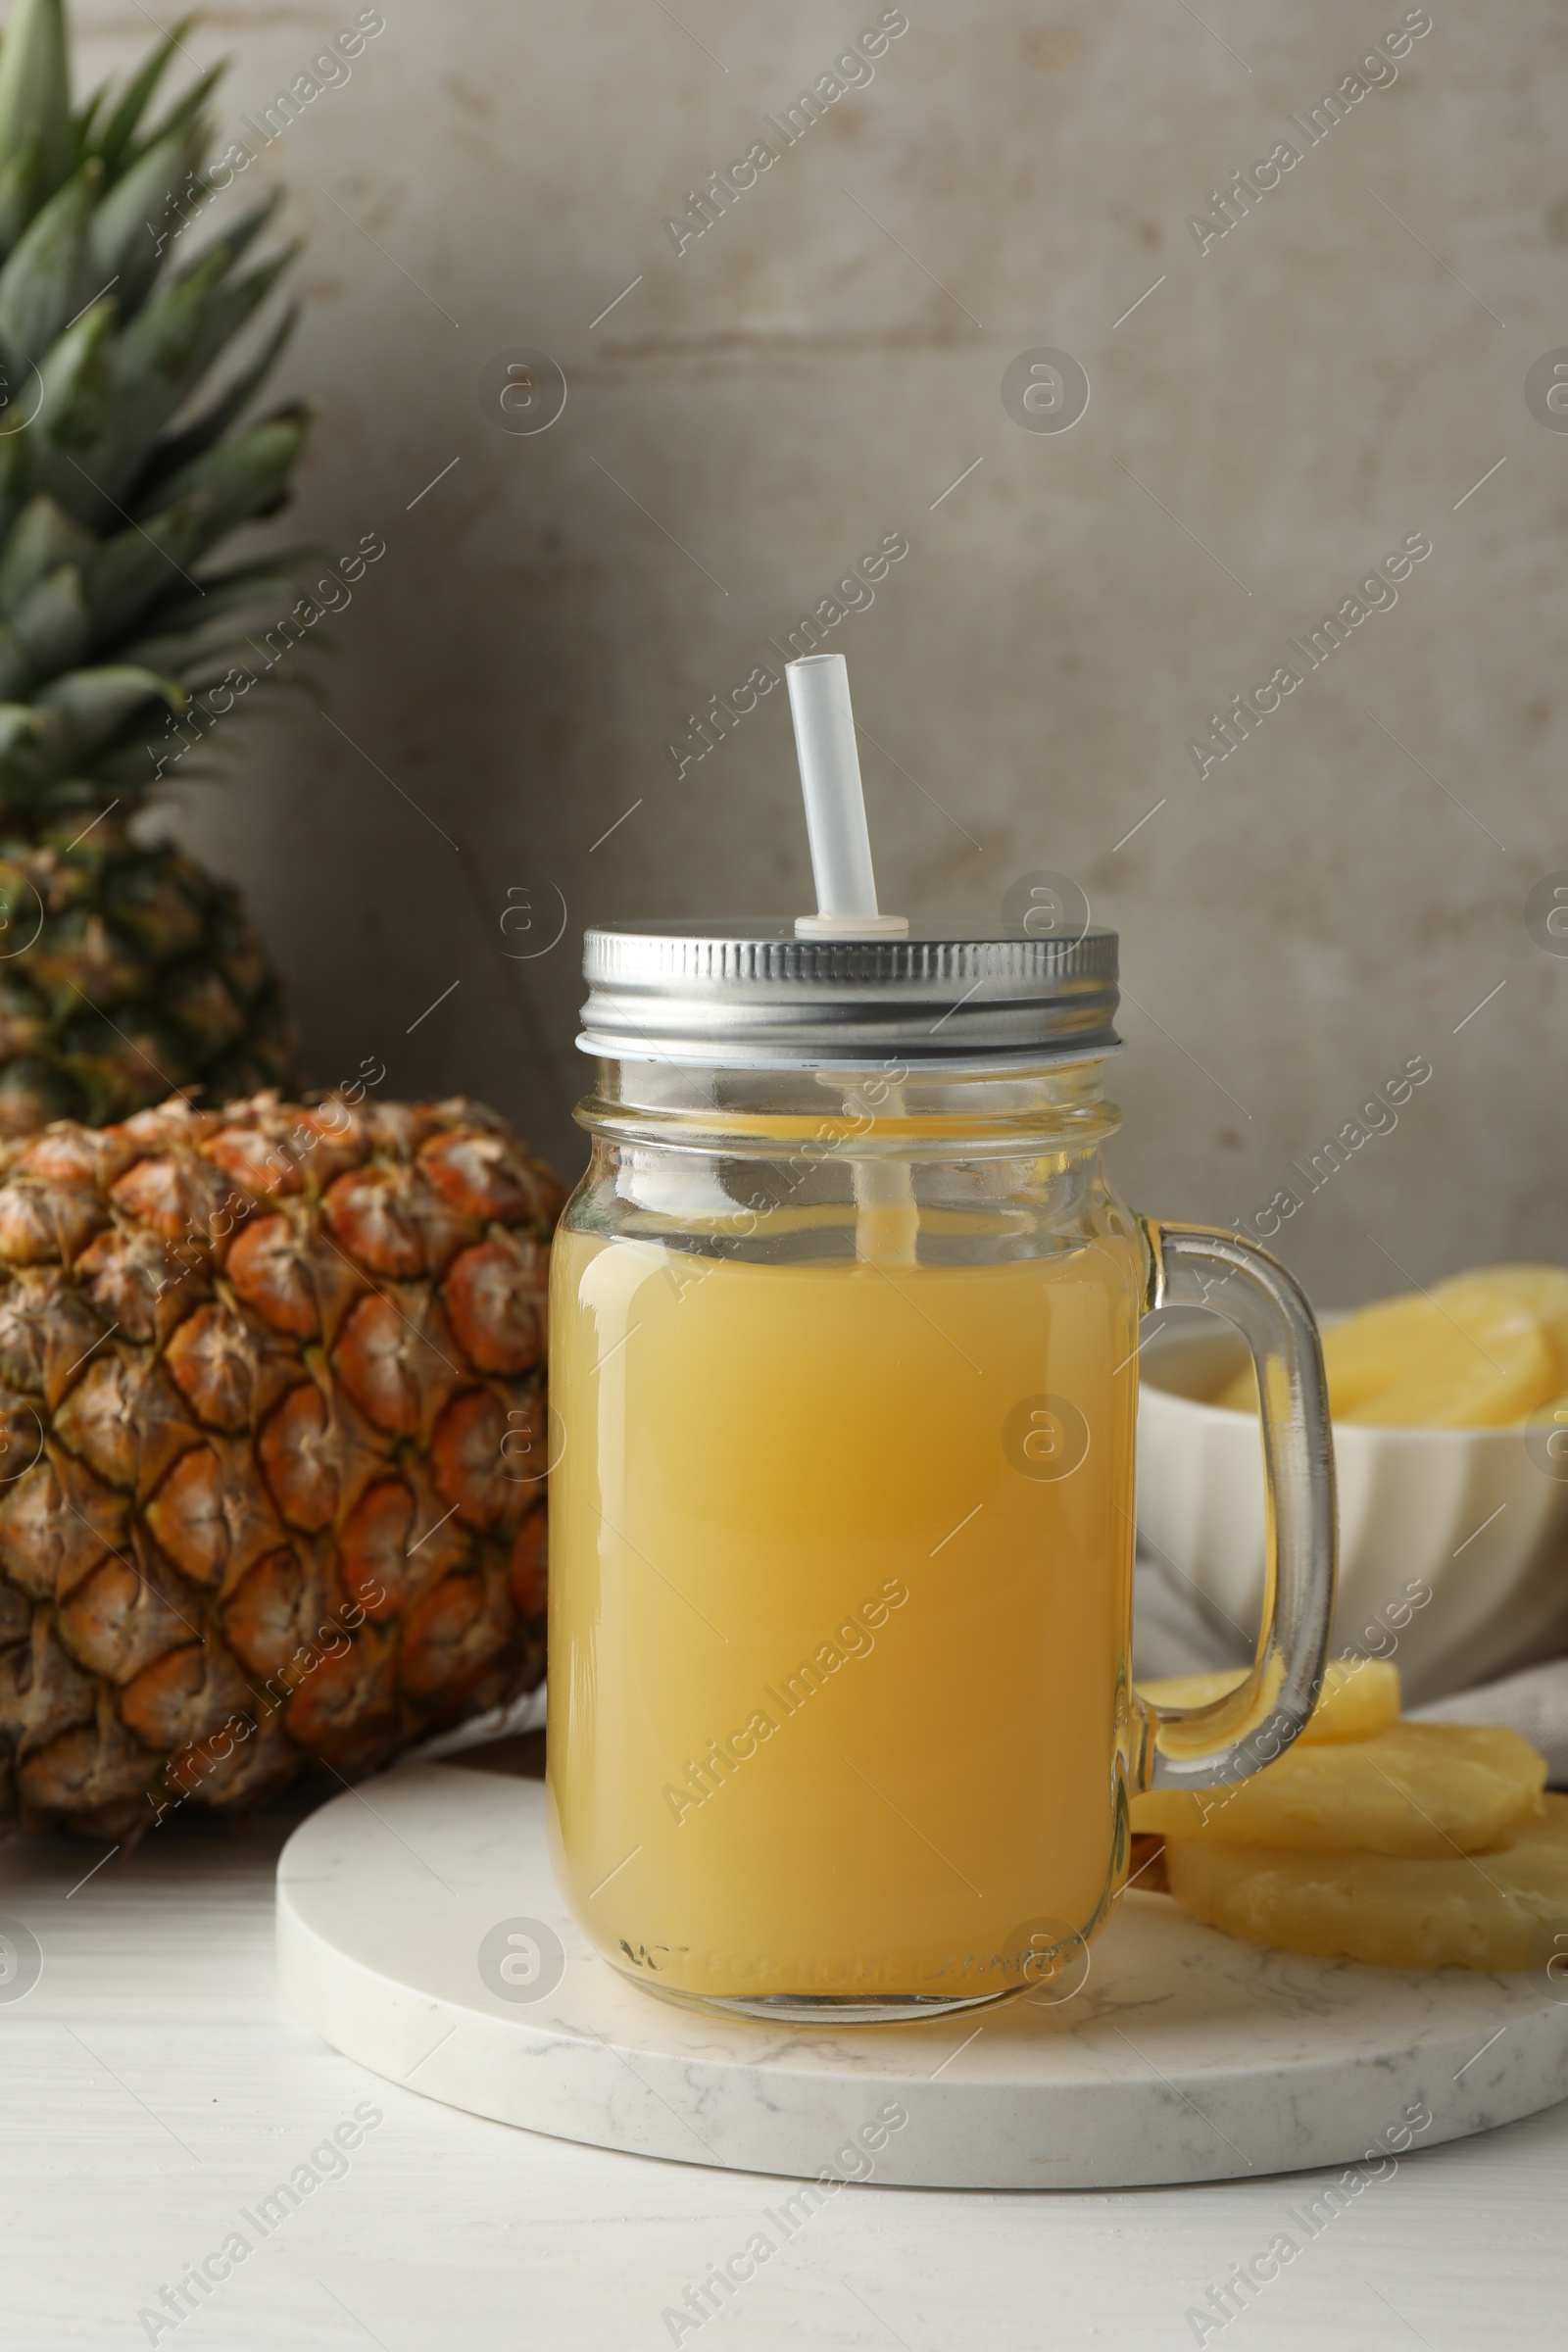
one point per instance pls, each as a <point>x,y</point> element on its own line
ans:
<point>152,2090</point>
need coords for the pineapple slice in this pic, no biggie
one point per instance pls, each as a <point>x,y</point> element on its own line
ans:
<point>1483,1352</point>
<point>1379,1347</point>
<point>1488,1382</point>
<point>1359,1698</point>
<point>1538,1291</point>
<point>1366,1353</point>
<point>1507,1911</point>
<point>1416,1789</point>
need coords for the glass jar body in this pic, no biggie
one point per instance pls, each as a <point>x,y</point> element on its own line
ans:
<point>844,1382</point>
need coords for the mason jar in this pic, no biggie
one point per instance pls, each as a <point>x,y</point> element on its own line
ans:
<point>844,1376</point>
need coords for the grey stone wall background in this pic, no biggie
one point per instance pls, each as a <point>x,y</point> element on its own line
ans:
<point>1276,412</point>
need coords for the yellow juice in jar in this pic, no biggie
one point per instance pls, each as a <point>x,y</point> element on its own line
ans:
<point>836,1656</point>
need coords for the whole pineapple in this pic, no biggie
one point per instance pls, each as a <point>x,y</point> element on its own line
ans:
<point>124,971</point>
<point>272,1447</point>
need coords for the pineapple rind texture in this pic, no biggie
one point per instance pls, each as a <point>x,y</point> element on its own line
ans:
<point>272,1436</point>
<point>124,972</point>
<point>135,974</point>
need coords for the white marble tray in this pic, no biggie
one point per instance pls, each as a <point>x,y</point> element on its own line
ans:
<point>1185,2056</point>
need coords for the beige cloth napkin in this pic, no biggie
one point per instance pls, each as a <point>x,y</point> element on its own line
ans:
<point>1533,1702</point>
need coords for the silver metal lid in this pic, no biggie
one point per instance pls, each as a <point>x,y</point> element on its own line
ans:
<point>752,995</point>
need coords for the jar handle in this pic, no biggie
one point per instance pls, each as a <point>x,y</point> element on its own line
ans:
<point>1234,1737</point>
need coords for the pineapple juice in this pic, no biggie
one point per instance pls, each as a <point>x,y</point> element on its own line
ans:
<point>839,1595</point>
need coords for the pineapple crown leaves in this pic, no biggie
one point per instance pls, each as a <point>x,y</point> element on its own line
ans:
<point>118,470</point>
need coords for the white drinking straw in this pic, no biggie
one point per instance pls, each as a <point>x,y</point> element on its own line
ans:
<point>887,1219</point>
<point>835,805</point>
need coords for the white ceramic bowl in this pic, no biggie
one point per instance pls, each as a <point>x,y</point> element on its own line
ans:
<point>1463,1517</point>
